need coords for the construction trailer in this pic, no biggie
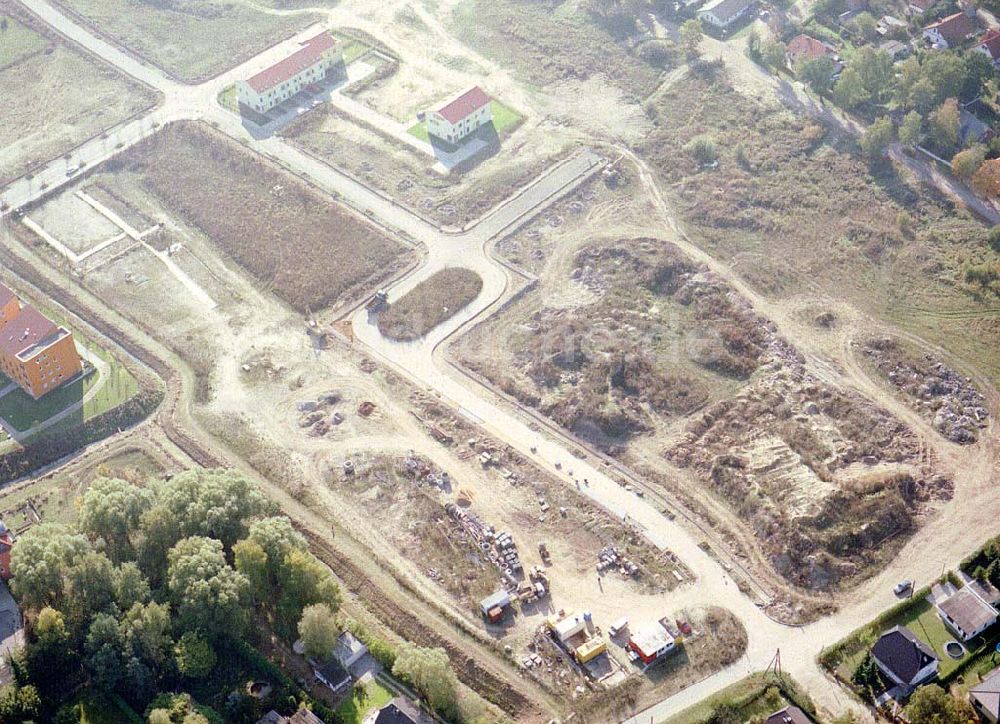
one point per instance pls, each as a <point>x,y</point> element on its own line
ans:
<point>651,644</point>
<point>577,635</point>
<point>493,607</point>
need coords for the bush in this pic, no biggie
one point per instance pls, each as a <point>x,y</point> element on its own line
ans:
<point>994,238</point>
<point>703,149</point>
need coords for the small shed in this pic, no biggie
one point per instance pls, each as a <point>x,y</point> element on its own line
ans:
<point>490,605</point>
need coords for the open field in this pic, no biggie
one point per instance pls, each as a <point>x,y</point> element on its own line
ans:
<point>796,211</point>
<point>455,199</point>
<point>430,303</point>
<point>63,96</point>
<point>310,251</point>
<point>192,40</point>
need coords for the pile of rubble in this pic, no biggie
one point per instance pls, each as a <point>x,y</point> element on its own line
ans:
<point>610,558</point>
<point>498,546</point>
<point>957,409</point>
<point>314,414</point>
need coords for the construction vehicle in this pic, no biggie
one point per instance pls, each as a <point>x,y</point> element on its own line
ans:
<point>378,301</point>
<point>543,551</point>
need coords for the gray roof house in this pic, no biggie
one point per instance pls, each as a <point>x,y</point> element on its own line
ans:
<point>722,14</point>
<point>966,614</point>
<point>398,711</point>
<point>332,674</point>
<point>349,650</point>
<point>985,697</point>
<point>905,659</point>
<point>788,715</point>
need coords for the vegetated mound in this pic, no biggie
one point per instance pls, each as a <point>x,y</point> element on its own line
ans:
<point>433,301</point>
<point>660,336</point>
<point>309,250</point>
<point>956,408</point>
<point>830,483</point>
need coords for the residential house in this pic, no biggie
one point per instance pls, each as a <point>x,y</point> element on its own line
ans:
<point>895,50</point>
<point>461,116</point>
<point>6,545</point>
<point>302,716</point>
<point>889,25</point>
<point>651,644</point>
<point>788,715</point>
<point>349,650</point>
<point>724,14</point>
<point>971,129</point>
<point>36,353</point>
<point>951,31</point>
<point>398,711</point>
<point>803,48</point>
<point>989,45</point>
<point>904,659</point>
<point>985,697</point>
<point>916,7</point>
<point>332,674</point>
<point>310,64</point>
<point>966,614</point>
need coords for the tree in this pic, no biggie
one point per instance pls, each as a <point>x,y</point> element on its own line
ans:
<point>51,653</point>
<point>933,705</point>
<point>817,73</point>
<point>923,96</point>
<point>146,628</point>
<point>207,594</point>
<point>111,510</point>
<point>978,70</point>
<point>911,130</point>
<point>703,149</point>
<point>129,586</point>
<point>212,503</point>
<point>277,538</point>
<point>946,72</point>
<point>691,36</point>
<point>429,672</point>
<point>39,563</point>
<point>986,181</point>
<point>105,649</point>
<point>849,92</point>
<point>865,25</point>
<point>875,69</point>
<point>194,655</point>
<point>943,125</point>
<point>967,162</point>
<point>304,581</point>
<point>90,582</point>
<point>251,560</point>
<point>158,532</point>
<point>318,630</point>
<point>773,53</point>
<point>877,138</point>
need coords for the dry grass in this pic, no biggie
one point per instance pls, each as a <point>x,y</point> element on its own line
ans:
<point>306,248</point>
<point>430,303</point>
<point>63,97</point>
<point>193,40</point>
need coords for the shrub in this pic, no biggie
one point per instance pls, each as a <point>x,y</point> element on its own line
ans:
<point>703,149</point>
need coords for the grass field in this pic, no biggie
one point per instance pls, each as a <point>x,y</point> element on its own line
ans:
<point>63,97</point>
<point>430,303</point>
<point>364,698</point>
<point>758,694</point>
<point>227,98</point>
<point>17,41</point>
<point>310,251</point>
<point>192,40</point>
<point>22,412</point>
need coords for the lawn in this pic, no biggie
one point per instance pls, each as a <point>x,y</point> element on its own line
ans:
<point>17,41</point>
<point>354,49</point>
<point>19,410</point>
<point>96,708</point>
<point>364,699</point>
<point>504,118</point>
<point>419,130</point>
<point>228,100</point>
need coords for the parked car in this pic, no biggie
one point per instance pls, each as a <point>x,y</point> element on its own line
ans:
<point>902,587</point>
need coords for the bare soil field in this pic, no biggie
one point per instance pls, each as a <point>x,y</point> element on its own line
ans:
<point>192,40</point>
<point>430,303</point>
<point>795,210</point>
<point>405,174</point>
<point>63,96</point>
<point>310,251</point>
<point>653,338</point>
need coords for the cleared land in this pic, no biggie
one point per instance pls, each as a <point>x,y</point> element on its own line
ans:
<point>63,96</point>
<point>795,210</point>
<point>192,40</point>
<point>307,249</point>
<point>430,303</point>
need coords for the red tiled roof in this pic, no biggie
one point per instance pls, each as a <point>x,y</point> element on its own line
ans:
<point>294,64</point>
<point>470,101</point>
<point>804,46</point>
<point>6,295</point>
<point>990,41</point>
<point>26,329</point>
<point>954,28</point>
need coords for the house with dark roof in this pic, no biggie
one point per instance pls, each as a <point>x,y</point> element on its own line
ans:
<point>989,45</point>
<point>788,715</point>
<point>966,614</point>
<point>302,716</point>
<point>309,64</point>
<point>398,711</point>
<point>333,674</point>
<point>985,697</point>
<point>905,659</point>
<point>950,31</point>
<point>723,14</point>
<point>461,116</point>
<point>349,650</point>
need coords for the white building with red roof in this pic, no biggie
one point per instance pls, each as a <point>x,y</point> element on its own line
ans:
<point>461,116</point>
<point>989,45</point>
<point>950,31</point>
<point>279,82</point>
